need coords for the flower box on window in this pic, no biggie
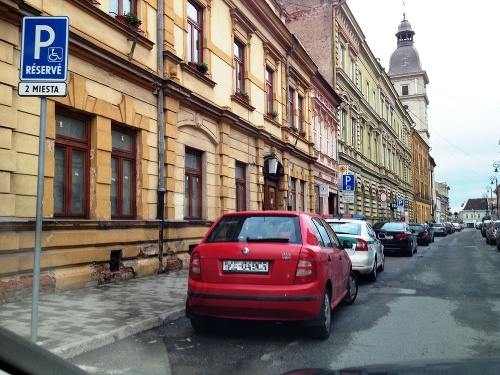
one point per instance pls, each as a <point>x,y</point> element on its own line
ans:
<point>199,66</point>
<point>303,133</point>
<point>273,114</point>
<point>242,94</point>
<point>131,20</point>
<point>295,129</point>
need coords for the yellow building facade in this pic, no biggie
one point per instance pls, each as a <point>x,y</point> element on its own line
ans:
<point>201,109</point>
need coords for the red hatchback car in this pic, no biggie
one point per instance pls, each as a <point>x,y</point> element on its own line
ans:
<point>269,265</point>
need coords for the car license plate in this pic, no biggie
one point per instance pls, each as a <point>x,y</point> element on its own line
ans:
<point>245,266</point>
<point>388,237</point>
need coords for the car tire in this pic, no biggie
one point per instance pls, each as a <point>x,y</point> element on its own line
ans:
<point>372,276</point>
<point>381,266</point>
<point>202,324</point>
<point>321,324</point>
<point>352,289</point>
<point>410,253</point>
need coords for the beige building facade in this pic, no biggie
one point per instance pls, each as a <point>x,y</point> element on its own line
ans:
<point>201,109</point>
<point>374,132</point>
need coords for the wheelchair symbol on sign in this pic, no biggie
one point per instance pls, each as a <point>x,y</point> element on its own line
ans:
<point>55,54</point>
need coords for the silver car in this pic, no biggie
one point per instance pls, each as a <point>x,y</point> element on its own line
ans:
<point>367,252</point>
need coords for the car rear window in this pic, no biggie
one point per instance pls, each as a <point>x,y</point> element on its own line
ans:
<point>346,228</point>
<point>256,229</point>
<point>417,227</point>
<point>389,226</point>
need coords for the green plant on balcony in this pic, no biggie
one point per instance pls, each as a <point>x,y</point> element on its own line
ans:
<point>242,94</point>
<point>202,67</point>
<point>274,114</point>
<point>132,19</point>
<point>303,133</point>
<point>295,129</point>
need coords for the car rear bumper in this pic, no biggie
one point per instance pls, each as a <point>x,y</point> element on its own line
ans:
<point>255,302</point>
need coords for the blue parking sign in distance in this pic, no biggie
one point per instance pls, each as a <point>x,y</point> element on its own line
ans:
<point>348,182</point>
<point>401,203</point>
<point>44,49</point>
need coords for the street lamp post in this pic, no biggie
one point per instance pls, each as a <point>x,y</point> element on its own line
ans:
<point>490,204</point>
<point>493,178</point>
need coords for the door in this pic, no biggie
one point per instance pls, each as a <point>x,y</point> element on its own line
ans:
<point>270,195</point>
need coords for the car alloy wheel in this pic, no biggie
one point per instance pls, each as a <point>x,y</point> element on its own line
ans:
<point>352,289</point>
<point>373,275</point>
<point>322,330</point>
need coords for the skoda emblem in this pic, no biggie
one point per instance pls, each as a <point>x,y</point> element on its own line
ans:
<point>245,250</point>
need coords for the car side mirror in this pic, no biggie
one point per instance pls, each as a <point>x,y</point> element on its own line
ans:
<point>347,244</point>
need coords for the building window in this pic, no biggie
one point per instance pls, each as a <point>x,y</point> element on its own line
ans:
<point>71,175</point>
<point>368,92</point>
<point>269,90</point>
<point>315,128</point>
<point>240,174</point>
<point>290,108</point>
<point>195,32</point>
<point>239,67</point>
<point>352,69</point>
<point>192,184</point>
<point>300,113</point>
<point>317,200</point>
<point>293,194</point>
<point>342,125</point>
<point>122,174</point>
<point>342,56</point>
<point>405,90</point>
<point>303,195</point>
<point>121,7</point>
<point>353,132</point>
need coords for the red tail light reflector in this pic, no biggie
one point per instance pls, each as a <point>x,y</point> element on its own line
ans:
<point>195,266</point>
<point>361,245</point>
<point>306,269</point>
<point>401,236</point>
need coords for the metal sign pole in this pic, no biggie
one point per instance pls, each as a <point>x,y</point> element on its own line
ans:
<point>39,216</point>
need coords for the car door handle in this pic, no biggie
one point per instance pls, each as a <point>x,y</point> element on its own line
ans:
<point>329,258</point>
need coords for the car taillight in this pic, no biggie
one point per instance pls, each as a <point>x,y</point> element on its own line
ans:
<point>425,233</point>
<point>361,245</point>
<point>306,269</point>
<point>401,236</point>
<point>195,266</point>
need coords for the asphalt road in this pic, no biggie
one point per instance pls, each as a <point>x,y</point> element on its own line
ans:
<point>442,303</point>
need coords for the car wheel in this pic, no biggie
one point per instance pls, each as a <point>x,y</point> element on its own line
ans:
<point>382,265</point>
<point>352,289</point>
<point>410,252</point>
<point>498,246</point>
<point>373,275</point>
<point>322,330</point>
<point>202,324</point>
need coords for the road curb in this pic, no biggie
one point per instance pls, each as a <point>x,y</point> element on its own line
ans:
<point>98,341</point>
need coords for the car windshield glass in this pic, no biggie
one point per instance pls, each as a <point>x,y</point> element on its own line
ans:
<point>390,226</point>
<point>346,228</point>
<point>256,229</point>
<point>417,227</point>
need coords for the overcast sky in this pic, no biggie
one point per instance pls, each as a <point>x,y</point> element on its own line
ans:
<point>458,44</point>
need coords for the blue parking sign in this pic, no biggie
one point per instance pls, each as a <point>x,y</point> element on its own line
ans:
<point>44,49</point>
<point>401,203</point>
<point>348,182</point>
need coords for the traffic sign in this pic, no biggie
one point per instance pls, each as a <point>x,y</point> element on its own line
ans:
<point>383,196</point>
<point>401,203</point>
<point>342,169</point>
<point>348,182</point>
<point>44,49</point>
<point>42,89</point>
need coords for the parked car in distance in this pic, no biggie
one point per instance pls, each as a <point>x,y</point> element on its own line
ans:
<point>269,265</point>
<point>484,226</point>
<point>367,252</point>
<point>491,231</point>
<point>449,228</point>
<point>424,233</point>
<point>457,227</point>
<point>396,236</point>
<point>439,229</point>
<point>497,239</point>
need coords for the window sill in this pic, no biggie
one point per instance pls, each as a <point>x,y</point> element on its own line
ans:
<point>101,16</point>
<point>194,72</point>
<point>272,119</point>
<point>244,102</point>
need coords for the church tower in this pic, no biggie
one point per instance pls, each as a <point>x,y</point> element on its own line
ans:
<point>409,79</point>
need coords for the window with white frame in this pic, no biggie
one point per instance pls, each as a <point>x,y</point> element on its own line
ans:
<point>195,32</point>
<point>121,7</point>
<point>239,67</point>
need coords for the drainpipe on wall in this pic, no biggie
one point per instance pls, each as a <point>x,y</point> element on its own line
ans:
<point>160,210</point>
<point>288,109</point>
